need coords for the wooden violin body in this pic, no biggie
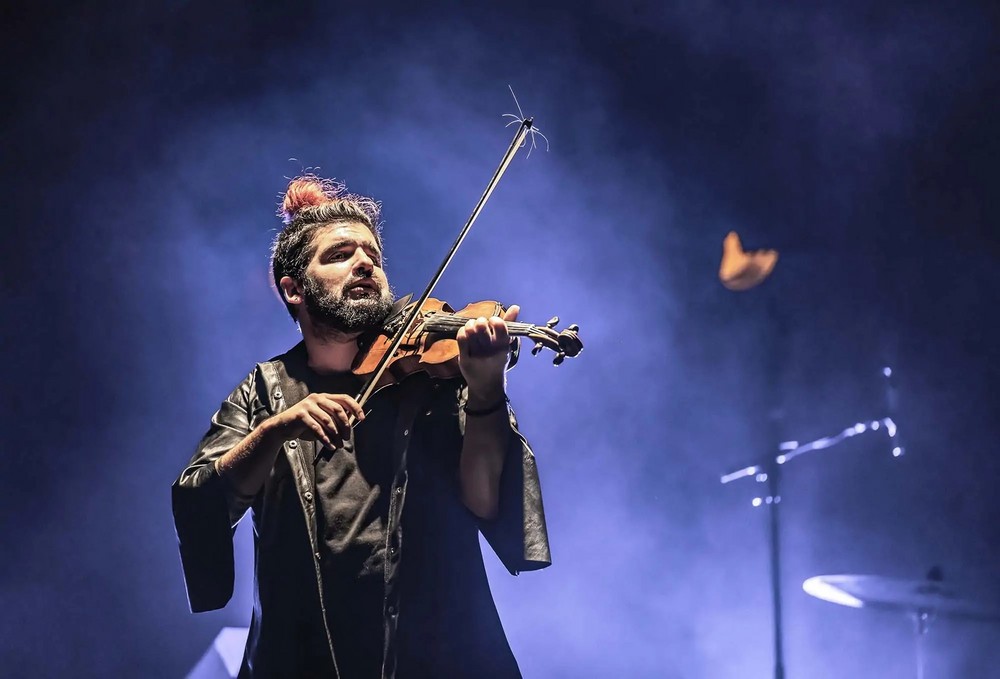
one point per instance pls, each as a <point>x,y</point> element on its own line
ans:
<point>429,344</point>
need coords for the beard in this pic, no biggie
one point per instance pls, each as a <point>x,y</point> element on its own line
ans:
<point>335,310</point>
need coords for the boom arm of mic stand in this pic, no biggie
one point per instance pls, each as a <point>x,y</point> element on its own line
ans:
<point>793,449</point>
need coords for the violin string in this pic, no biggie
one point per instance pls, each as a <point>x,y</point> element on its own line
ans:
<point>457,322</point>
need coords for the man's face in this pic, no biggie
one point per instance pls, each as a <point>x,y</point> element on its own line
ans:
<point>344,286</point>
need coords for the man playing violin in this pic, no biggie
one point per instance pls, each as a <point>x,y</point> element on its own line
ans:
<point>366,522</point>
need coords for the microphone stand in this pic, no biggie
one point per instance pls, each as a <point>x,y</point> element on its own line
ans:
<point>773,475</point>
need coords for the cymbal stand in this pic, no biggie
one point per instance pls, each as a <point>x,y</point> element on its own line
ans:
<point>922,620</point>
<point>768,471</point>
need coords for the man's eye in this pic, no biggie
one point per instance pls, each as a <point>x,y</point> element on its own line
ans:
<point>338,256</point>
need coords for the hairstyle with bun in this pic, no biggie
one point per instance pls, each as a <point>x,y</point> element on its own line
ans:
<point>310,203</point>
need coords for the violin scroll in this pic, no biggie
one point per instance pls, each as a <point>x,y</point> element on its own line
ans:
<point>564,343</point>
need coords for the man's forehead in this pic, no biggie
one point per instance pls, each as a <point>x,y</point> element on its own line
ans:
<point>355,232</point>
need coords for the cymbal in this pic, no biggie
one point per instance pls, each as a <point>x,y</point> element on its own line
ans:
<point>916,596</point>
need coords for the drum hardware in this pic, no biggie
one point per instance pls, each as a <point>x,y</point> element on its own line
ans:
<point>925,601</point>
<point>768,471</point>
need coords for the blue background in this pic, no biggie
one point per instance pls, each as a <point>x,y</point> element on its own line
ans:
<point>145,148</point>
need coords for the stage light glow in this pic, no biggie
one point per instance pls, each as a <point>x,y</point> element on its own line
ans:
<point>817,587</point>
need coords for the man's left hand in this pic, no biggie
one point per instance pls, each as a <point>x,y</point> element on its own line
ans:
<point>483,344</point>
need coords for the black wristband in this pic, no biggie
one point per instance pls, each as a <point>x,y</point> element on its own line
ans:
<point>471,412</point>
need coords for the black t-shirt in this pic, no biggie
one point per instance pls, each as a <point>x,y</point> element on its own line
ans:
<point>352,490</point>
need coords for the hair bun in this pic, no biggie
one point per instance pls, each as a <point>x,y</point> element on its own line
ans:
<point>307,191</point>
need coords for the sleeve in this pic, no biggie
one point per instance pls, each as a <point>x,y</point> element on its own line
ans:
<point>517,534</point>
<point>206,509</point>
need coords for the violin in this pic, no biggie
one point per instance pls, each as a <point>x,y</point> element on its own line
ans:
<point>424,338</point>
<point>429,344</point>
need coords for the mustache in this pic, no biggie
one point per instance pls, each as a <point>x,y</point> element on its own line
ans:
<point>364,277</point>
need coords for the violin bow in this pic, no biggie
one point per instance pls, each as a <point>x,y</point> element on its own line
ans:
<point>369,388</point>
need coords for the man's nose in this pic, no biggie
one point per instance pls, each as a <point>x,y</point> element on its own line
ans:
<point>364,266</point>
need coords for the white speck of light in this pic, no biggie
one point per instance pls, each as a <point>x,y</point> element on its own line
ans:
<point>887,371</point>
<point>780,459</point>
<point>860,428</point>
<point>897,451</point>
<point>890,426</point>
<point>756,502</point>
<point>875,425</point>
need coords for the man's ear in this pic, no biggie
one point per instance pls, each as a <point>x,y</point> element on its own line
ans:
<point>291,291</point>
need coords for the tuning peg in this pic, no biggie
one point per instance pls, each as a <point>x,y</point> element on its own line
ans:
<point>537,348</point>
<point>552,322</point>
<point>559,358</point>
<point>574,328</point>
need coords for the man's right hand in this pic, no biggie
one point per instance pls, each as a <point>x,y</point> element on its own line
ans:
<point>323,417</point>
